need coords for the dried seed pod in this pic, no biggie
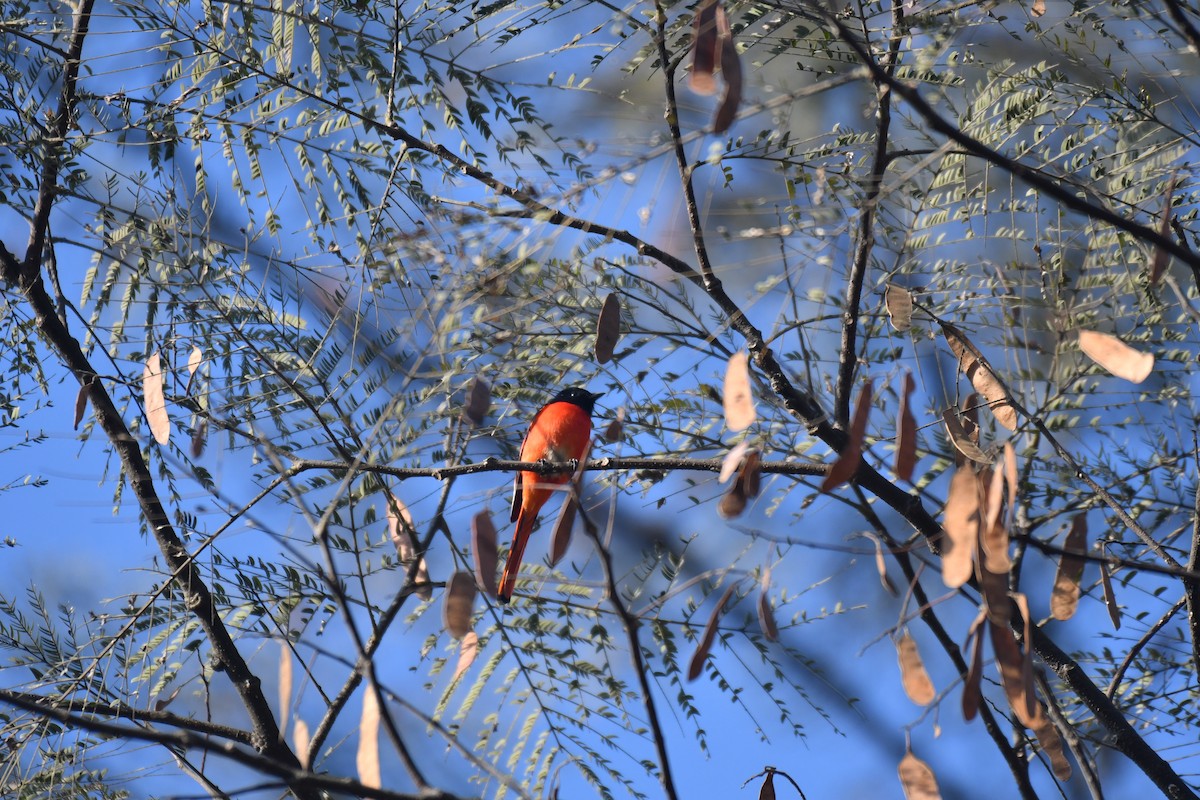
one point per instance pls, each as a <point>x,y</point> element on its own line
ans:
<point>458,606</point>
<point>913,675</point>
<point>899,304</point>
<point>1065,597</point>
<point>710,632</point>
<point>738,398</point>
<point>1115,356</point>
<point>608,329</point>
<point>981,376</point>
<point>156,403</point>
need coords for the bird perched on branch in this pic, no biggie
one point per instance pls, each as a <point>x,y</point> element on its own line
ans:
<point>559,432</point>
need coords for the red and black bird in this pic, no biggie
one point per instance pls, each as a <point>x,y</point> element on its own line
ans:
<point>559,432</point>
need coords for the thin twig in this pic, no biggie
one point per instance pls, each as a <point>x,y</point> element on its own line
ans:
<point>631,623</point>
<point>1140,645</point>
<point>671,114</point>
<point>865,239</point>
<point>53,146</point>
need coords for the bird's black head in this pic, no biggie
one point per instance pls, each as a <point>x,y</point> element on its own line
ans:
<point>579,396</point>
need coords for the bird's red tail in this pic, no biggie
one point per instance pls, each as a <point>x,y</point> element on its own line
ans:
<point>515,554</point>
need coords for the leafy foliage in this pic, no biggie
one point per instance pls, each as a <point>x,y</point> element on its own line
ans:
<point>356,211</point>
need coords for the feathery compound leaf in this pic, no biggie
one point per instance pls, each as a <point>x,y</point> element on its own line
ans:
<point>479,401</point>
<point>608,329</point>
<point>981,376</point>
<point>459,604</point>
<point>1115,356</point>
<point>913,675</point>
<point>468,648</point>
<point>917,779</point>
<point>81,401</point>
<point>731,71</point>
<point>960,437</point>
<point>899,304</point>
<point>483,551</point>
<point>1065,597</point>
<point>156,402</point>
<point>960,521</point>
<point>906,437</point>
<point>367,757</point>
<point>710,633</point>
<point>847,463</point>
<point>738,399</point>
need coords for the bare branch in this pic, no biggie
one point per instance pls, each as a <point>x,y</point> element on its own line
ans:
<point>865,238</point>
<point>630,623</point>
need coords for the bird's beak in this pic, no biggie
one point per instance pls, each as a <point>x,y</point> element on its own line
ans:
<point>596,395</point>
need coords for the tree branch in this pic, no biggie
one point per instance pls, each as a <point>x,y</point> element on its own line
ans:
<point>865,240</point>
<point>490,464</point>
<point>1049,186</point>
<point>54,145</point>
<point>631,623</point>
<point>1140,645</point>
<point>1016,765</point>
<point>290,774</point>
<point>1123,737</point>
<point>123,711</point>
<point>248,686</point>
